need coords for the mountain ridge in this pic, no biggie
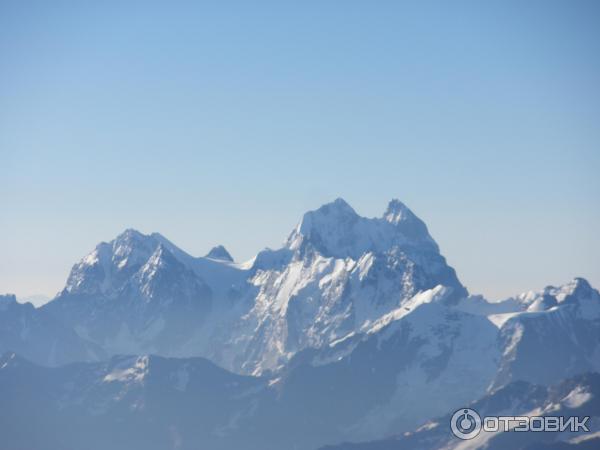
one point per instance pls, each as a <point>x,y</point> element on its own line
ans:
<point>356,323</point>
<point>332,253</point>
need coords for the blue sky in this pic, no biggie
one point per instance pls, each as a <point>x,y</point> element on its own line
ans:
<point>222,122</point>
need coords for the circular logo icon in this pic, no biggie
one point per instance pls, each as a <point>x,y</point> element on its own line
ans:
<point>465,423</point>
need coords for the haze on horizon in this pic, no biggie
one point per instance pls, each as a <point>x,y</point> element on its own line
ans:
<point>223,124</point>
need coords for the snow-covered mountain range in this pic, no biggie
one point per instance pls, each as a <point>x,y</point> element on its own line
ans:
<point>336,272</point>
<point>355,329</point>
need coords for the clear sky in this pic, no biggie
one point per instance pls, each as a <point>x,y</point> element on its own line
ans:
<point>222,122</point>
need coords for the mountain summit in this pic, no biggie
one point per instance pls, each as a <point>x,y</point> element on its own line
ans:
<point>335,229</point>
<point>219,252</point>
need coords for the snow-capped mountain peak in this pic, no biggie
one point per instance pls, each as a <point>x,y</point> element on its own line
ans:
<point>398,214</point>
<point>577,292</point>
<point>161,259</point>
<point>106,269</point>
<point>131,248</point>
<point>327,229</point>
<point>110,264</point>
<point>397,211</point>
<point>336,230</point>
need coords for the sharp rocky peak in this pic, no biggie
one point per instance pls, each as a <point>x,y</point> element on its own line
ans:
<point>131,240</point>
<point>130,248</point>
<point>110,264</point>
<point>161,257</point>
<point>399,215</point>
<point>130,234</point>
<point>335,229</point>
<point>337,207</point>
<point>576,292</point>
<point>579,287</point>
<point>220,253</point>
<point>397,212</point>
